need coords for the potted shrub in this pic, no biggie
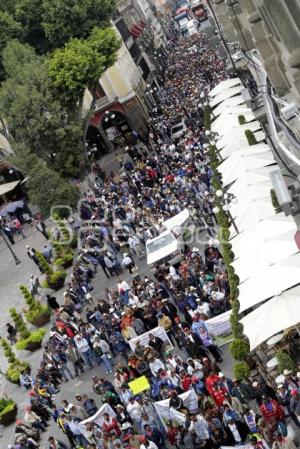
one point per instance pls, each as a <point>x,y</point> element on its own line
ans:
<point>241,370</point>
<point>241,119</point>
<point>20,324</point>
<point>33,341</point>
<point>250,137</point>
<point>54,279</point>
<point>27,340</point>
<point>37,313</point>
<point>64,260</point>
<point>284,361</point>
<point>8,411</point>
<point>15,367</point>
<point>239,349</point>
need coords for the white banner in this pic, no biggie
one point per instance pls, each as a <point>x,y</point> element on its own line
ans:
<point>97,417</point>
<point>219,325</point>
<point>190,401</point>
<point>144,338</point>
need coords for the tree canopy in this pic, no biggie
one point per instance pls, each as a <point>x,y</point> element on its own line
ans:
<point>80,63</point>
<point>50,52</point>
<point>45,187</point>
<point>64,20</point>
<point>35,116</point>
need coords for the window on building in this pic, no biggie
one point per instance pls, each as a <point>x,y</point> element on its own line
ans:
<point>135,52</point>
<point>123,30</point>
<point>145,68</point>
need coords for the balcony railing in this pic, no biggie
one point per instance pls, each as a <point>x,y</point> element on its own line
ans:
<point>103,102</point>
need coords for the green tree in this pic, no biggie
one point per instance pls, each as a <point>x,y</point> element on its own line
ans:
<point>9,29</point>
<point>35,116</point>
<point>64,20</point>
<point>80,63</point>
<point>45,186</point>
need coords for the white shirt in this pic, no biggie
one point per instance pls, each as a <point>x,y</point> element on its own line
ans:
<point>123,285</point>
<point>151,445</point>
<point>82,344</point>
<point>134,410</point>
<point>127,261</point>
<point>155,366</point>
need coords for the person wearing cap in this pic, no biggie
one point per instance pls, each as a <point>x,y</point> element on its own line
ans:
<point>225,383</point>
<point>294,405</point>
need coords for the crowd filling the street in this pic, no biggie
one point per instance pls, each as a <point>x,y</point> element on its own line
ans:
<point>156,366</point>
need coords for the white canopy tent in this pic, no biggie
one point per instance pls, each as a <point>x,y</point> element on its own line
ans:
<point>244,161</point>
<point>236,141</point>
<point>220,124</point>
<point>237,130</point>
<point>251,212</point>
<point>226,84</point>
<point>254,191</point>
<point>226,93</point>
<point>229,103</point>
<point>229,117</point>
<point>269,281</point>
<point>260,252</point>
<point>268,228</point>
<point>261,175</point>
<point>281,312</point>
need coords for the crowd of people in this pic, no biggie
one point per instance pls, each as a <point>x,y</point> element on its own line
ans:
<point>120,213</point>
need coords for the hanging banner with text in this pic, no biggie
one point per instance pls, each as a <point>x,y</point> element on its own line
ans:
<point>190,401</point>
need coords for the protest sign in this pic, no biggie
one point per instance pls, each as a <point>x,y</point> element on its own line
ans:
<point>190,401</point>
<point>97,417</point>
<point>144,338</point>
<point>138,385</point>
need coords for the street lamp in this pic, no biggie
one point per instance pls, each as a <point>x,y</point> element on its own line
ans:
<point>225,198</point>
<point>2,233</point>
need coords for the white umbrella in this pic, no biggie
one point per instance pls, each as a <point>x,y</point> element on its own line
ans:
<point>230,102</point>
<point>229,117</point>
<point>237,131</point>
<point>269,281</point>
<point>238,163</point>
<point>250,213</point>
<point>268,228</point>
<point>225,94</point>
<point>280,313</point>
<point>259,253</point>
<point>240,189</point>
<point>239,143</point>
<point>222,85</point>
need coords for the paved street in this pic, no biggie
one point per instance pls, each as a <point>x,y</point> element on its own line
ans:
<point>18,275</point>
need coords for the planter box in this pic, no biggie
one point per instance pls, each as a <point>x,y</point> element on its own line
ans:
<point>41,320</point>
<point>9,417</point>
<point>33,346</point>
<point>57,285</point>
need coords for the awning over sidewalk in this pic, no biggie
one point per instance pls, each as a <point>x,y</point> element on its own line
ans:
<point>8,187</point>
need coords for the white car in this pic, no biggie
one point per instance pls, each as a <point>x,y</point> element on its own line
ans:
<point>178,130</point>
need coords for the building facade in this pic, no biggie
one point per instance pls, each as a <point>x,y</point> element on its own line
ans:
<point>124,91</point>
<point>273,28</point>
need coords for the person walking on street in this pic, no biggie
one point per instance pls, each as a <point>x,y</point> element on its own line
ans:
<point>12,333</point>
<point>73,356</point>
<point>41,227</point>
<point>7,231</point>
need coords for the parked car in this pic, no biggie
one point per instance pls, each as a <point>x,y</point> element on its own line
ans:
<point>178,130</point>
